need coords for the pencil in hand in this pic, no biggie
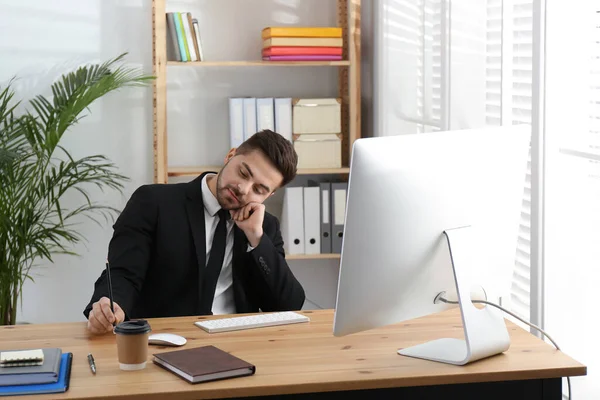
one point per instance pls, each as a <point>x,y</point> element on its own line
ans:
<point>110,294</point>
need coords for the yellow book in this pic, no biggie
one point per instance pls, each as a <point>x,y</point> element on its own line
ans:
<point>294,31</point>
<point>302,42</point>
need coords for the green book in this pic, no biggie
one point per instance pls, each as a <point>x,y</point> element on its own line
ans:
<point>185,43</point>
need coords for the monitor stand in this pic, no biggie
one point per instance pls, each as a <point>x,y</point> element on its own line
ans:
<point>485,330</point>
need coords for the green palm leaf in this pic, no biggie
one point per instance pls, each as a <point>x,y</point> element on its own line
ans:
<point>36,174</point>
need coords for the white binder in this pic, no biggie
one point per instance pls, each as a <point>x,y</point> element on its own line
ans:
<point>338,214</point>
<point>292,220</point>
<point>312,220</point>
<point>283,117</point>
<point>250,126</point>
<point>265,114</point>
<point>325,217</point>
<point>236,122</point>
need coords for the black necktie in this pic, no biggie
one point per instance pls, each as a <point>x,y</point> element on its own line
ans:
<point>215,262</point>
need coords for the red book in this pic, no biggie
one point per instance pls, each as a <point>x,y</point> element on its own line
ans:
<point>319,57</point>
<point>301,51</point>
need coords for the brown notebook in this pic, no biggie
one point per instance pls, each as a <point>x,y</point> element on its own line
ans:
<point>203,364</point>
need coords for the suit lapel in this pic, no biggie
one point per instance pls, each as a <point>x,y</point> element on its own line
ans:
<point>195,212</point>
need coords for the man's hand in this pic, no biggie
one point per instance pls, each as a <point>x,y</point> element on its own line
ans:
<point>250,220</point>
<point>101,317</point>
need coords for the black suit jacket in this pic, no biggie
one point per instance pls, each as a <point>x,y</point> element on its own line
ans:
<point>157,258</point>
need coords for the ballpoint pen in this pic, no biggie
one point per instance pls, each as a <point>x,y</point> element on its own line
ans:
<point>92,363</point>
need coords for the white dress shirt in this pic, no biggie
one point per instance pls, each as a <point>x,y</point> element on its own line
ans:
<point>223,302</point>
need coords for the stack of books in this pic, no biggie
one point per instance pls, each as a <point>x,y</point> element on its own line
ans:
<point>34,371</point>
<point>184,37</point>
<point>302,44</point>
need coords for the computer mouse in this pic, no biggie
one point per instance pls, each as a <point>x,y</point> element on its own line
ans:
<point>166,339</point>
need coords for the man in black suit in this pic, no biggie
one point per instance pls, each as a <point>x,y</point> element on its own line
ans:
<point>203,247</point>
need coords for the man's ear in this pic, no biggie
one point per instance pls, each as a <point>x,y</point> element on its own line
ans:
<point>230,154</point>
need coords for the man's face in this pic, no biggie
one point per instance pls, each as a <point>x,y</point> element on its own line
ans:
<point>246,178</point>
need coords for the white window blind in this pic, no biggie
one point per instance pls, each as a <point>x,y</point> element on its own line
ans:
<point>572,187</point>
<point>411,34</point>
<point>586,144</point>
<point>493,81</point>
<point>595,89</point>
<point>509,64</point>
<point>433,41</point>
<point>594,135</point>
<point>431,68</point>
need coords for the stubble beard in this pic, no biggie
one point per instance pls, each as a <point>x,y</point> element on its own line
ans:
<point>220,189</point>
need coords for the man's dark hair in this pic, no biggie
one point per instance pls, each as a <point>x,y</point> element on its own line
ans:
<point>277,149</point>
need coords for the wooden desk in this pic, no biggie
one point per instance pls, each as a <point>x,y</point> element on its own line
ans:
<point>307,358</point>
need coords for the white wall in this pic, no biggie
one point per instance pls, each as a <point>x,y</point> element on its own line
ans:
<point>60,35</point>
<point>572,208</point>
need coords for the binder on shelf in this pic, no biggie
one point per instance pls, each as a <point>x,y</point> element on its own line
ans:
<point>292,220</point>
<point>250,126</point>
<point>312,220</point>
<point>236,121</point>
<point>283,117</point>
<point>325,189</point>
<point>265,114</point>
<point>338,214</point>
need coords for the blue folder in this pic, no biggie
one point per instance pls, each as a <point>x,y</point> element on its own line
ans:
<point>60,386</point>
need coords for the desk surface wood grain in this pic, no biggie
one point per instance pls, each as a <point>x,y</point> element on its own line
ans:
<point>297,358</point>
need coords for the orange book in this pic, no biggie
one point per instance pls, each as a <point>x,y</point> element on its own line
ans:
<point>300,51</point>
<point>304,31</point>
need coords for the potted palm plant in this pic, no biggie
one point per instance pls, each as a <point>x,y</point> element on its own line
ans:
<point>36,173</point>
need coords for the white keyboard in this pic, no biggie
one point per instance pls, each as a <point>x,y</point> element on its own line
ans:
<point>251,321</point>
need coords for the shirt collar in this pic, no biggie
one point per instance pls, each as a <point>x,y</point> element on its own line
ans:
<point>210,201</point>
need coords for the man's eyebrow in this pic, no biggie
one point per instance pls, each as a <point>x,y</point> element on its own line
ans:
<point>252,175</point>
<point>248,168</point>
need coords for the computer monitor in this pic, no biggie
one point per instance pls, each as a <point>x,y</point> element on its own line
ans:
<point>431,213</point>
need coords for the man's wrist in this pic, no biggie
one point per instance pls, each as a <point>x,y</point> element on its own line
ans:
<point>254,237</point>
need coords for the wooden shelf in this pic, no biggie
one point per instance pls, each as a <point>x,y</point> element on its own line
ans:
<point>348,84</point>
<point>195,171</point>
<point>261,63</point>
<point>312,256</point>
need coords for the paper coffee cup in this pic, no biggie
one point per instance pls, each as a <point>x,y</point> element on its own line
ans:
<point>132,344</point>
